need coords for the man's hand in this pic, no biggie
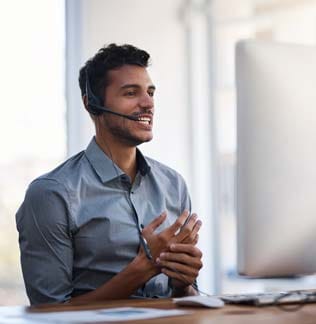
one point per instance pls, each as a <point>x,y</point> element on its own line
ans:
<point>181,231</point>
<point>181,263</point>
<point>189,232</point>
<point>184,230</point>
<point>159,242</point>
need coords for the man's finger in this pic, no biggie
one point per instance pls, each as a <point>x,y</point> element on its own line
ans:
<point>155,223</point>
<point>179,258</point>
<point>186,248</point>
<point>190,221</point>
<point>196,239</point>
<point>186,280</point>
<point>196,228</point>
<point>171,230</point>
<point>191,237</point>
<point>180,268</point>
<point>188,231</point>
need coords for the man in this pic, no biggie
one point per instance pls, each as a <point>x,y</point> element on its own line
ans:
<point>109,223</point>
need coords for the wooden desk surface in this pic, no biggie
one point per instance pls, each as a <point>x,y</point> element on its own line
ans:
<point>226,315</point>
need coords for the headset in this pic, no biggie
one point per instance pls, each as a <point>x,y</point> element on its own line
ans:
<point>95,105</point>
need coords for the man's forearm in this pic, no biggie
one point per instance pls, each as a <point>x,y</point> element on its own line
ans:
<point>122,285</point>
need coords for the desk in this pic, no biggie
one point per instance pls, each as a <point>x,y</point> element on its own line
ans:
<point>226,315</point>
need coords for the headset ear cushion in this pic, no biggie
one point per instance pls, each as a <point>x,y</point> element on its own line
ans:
<point>94,110</point>
<point>93,102</point>
<point>96,100</point>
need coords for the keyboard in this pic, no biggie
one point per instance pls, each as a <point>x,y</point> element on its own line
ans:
<point>275,298</point>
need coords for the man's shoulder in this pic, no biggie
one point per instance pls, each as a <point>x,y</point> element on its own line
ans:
<point>61,176</point>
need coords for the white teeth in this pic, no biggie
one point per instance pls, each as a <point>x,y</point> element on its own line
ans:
<point>144,120</point>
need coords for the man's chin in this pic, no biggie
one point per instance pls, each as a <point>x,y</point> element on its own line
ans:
<point>148,139</point>
<point>143,140</point>
<point>135,141</point>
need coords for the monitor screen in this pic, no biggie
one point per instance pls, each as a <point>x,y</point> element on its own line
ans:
<point>276,159</point>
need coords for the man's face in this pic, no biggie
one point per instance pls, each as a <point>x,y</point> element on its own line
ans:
<point>130,92</point>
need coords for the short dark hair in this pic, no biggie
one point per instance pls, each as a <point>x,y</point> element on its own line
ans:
<point>109,58</point>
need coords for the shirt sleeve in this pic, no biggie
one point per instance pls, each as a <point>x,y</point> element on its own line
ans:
<point>185,197</point>
<point>45,242</point>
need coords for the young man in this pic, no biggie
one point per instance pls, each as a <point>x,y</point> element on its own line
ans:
<point>110,223</point>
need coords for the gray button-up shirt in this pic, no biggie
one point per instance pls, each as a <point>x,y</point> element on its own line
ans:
<point>78,223</point>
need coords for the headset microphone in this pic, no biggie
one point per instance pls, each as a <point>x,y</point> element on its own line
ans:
<point>95,106</point>
<point>98,110</point>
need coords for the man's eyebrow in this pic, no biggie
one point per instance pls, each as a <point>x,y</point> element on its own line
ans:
<point>135,85</point>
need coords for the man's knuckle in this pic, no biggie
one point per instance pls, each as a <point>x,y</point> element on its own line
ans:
<point>192,237</point>
<point>197,252</point>
<point>195,273</point>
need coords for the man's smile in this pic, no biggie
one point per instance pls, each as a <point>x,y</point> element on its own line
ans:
<point>145,120</point>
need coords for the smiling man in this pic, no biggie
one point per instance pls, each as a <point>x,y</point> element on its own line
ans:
<point>110,223</point>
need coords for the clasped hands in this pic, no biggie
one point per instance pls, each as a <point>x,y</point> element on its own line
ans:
<point>174,249</point>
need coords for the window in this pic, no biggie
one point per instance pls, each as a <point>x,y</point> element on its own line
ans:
<point>33,128</point>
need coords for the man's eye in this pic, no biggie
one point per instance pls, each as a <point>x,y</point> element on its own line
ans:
<point>151,93</point>
<point>130,93</point>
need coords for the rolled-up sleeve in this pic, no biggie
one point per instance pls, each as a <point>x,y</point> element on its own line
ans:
<point>43,223</point>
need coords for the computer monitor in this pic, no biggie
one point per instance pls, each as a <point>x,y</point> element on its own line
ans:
<point>276,159</point>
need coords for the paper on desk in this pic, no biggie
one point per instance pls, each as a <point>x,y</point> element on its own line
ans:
<point>99,315</point>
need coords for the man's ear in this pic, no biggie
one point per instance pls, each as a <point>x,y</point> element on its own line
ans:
<point>85,101</point>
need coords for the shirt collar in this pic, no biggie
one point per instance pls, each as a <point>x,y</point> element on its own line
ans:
<point>142,164</point>
<point>105,168</point>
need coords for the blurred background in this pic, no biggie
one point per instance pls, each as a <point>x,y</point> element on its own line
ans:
<point>43,45</point>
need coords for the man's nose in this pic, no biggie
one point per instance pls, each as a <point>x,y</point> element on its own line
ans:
<point>147,101</point>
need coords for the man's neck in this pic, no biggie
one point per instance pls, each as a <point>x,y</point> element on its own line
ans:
<point>122,155</point>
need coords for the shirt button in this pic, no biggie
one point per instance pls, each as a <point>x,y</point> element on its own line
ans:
<point>132,192</point>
